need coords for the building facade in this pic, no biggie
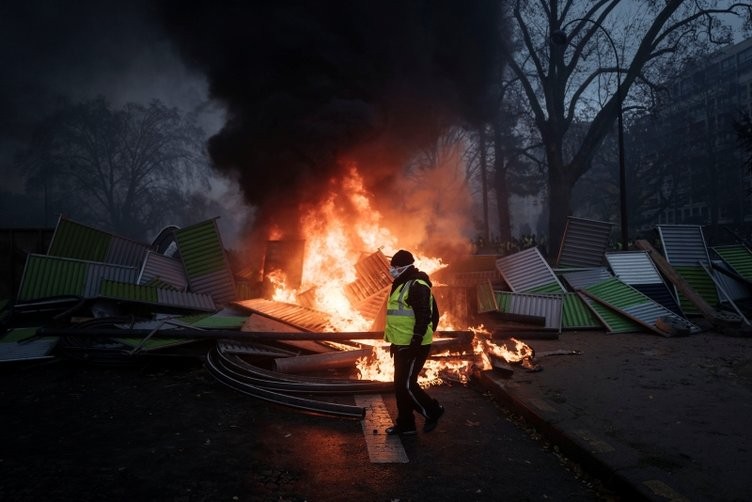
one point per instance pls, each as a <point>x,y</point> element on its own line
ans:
<point>687,165</point>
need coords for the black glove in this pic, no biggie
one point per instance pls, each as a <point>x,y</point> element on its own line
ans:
<point>416,342</point>
<point>392,350</point>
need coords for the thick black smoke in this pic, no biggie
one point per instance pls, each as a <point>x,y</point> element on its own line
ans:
<point>310,84</point>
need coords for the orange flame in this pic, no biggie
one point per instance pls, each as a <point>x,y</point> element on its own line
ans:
<point>338,231</point>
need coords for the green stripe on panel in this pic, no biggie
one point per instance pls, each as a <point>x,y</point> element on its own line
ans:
<point>46,278</point>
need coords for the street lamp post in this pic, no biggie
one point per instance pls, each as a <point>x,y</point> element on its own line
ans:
<point>560,37</point>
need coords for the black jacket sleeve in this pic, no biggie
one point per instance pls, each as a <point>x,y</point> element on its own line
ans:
<point>419,299</point>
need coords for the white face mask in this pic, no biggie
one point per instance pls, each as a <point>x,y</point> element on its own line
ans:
<point>397,271</point>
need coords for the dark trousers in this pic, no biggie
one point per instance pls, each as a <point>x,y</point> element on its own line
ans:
<point>408,363</point>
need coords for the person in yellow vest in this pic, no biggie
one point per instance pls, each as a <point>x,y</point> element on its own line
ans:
<point>411,318</point>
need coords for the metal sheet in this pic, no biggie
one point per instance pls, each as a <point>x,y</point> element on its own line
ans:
<point>205,261</point>
<point>660,293</point>
<point>583,243</point>
<point>293,315</point>
<point>75,240</point>
<point>576,314</point>
<point>585,278</point>
<point>527,270</point>
<point>547,306</point>
<point>649,313</point>
<point>634,267</point>
<point>738,258</point>
<point>372,277</point>
<point>614,322</point>
<point>683,245</point>
<point>632,302</point>
<point>735,288</point>
<point>163,268</point>
<point>47,276</point>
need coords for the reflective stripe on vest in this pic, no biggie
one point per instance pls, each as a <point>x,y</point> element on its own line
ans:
<point>400,318</point>
<point>402,308</point>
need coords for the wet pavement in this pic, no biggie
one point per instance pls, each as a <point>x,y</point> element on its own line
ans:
<point>629,417</point>
<point>656,418</point>
<point>166,430</point>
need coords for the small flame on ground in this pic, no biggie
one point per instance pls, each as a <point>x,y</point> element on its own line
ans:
<point>447,365</point>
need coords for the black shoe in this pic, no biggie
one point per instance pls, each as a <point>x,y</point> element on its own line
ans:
<point>402,430</point>
<point>432,422</point>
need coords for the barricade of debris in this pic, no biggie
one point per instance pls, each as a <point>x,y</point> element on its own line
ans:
<point>97,297</point>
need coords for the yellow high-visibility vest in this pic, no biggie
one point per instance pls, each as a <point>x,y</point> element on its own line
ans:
<point>400,317</point>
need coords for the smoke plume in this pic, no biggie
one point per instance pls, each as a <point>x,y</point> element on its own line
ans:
<point>311,86</point>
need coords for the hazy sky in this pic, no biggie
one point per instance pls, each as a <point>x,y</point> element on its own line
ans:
<point>79,50</point>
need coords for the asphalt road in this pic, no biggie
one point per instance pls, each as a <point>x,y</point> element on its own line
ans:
<point>166,430</point>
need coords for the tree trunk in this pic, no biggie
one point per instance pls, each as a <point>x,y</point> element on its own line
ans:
<point>559,197</point>
<point>500,183</point>
<point>484,182</point>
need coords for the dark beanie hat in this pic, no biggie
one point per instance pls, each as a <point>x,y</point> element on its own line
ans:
<point>402,258</point>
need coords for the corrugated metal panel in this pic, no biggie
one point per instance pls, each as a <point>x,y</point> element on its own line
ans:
<point>738,257</point>
<point>683,245</point>
<point>649,313</point>
<point>201,249</point>
<point>185,299</point>
<point>46,276</point>
<point>220,322</point>
<point>548,306</point>
<point>634,267</point>
<point>20,345</point>
<point>156,296</point>
<point>163,268</point>
<point>220,285</point>
<point>584,243</point>
<point>576,314</point>
<point>660,293</point>
<point>486,298</point>
<point>703,285</point>
<point>637,269</point>
<point>75,240</point>
<point>371,306</point>
<point>126,252</point>
<point>544,289</point>
<point>614,322</point>
<point>616,293</point>
<point>98,272</point>
<point>372,277</point>
<point>526,270</point>
<point>630,301</point>
<point>293,315</point>
<point>586,278</point>
<point>205,262</point>
<point>735,288</point>
<point>132,292</point>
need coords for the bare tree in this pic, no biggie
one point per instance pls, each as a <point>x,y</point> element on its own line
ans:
<point>572,74</point>
<point>126,170</point>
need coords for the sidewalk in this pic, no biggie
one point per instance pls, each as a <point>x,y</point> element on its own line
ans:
<point>658,418</point>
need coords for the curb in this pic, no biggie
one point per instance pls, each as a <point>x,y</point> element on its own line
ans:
<point>582,449</point>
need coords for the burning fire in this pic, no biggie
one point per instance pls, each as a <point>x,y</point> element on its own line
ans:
<point>452,365</point>
<point>338,231</point>
<point>335,240</point>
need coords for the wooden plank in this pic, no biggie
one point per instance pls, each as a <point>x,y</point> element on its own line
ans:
<point>707,311</point>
